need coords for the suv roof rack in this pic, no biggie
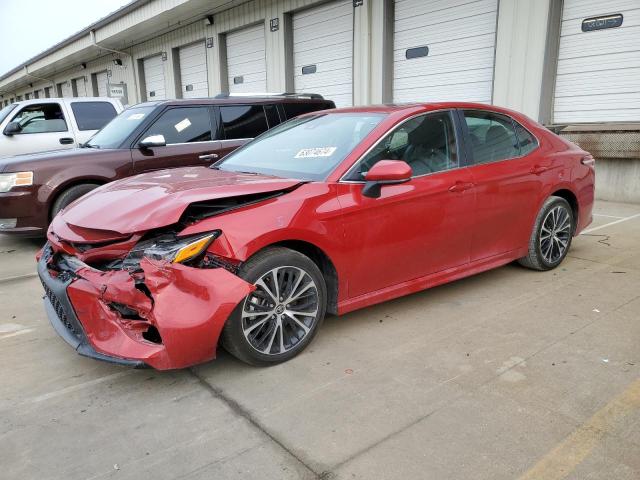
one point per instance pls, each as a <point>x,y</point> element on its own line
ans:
<point>315,96</point>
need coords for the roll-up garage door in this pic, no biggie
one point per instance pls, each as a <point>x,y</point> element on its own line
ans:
<point>598,76</point>
<point>323,51</point>
<point>65,89</point>
<point>101,81</point>
<point>193,71</point>
<point>154,78</point>
<point>246,64</point>
<point>79,87</point>
<point>444,50</point>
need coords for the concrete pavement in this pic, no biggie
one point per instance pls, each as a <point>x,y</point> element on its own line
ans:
<point>508,374</point>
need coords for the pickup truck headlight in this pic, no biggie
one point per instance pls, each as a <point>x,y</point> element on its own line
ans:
<point>170,248</point>
<point>17,179</point>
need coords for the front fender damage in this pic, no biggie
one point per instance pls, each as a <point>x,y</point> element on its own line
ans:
<point>169,315</point>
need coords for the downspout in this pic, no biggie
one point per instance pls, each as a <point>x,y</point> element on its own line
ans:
<point>92,35</point>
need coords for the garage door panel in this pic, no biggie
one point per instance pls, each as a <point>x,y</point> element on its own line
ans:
<point>588,8</point>
<point>484,25</point>
<point>453,49</point>
<point>154,78</point>
<point>323,36</point>
<point>102,80</point>
<point>466,92</point>
<point>460,37</point>
<point>441,17</point>
<point>246,59</point>
<point>193,71</point>
<point>599,66</point>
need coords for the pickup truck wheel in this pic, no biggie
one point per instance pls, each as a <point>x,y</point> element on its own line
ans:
<point>69,195</point>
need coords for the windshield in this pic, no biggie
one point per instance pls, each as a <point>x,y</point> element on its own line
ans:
<point>6,111</point>
<point>117,130</point>
<point>306,148</point>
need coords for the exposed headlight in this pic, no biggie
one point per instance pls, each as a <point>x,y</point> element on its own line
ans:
<point>170,248</point>
<point>18,179</point>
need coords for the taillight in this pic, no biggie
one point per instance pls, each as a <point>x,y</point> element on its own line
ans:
<point>589,161</point>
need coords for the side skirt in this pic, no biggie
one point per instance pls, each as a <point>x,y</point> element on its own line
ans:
<point>429,281</point>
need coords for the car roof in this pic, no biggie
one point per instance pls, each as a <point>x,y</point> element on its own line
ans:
<point>223,100</point>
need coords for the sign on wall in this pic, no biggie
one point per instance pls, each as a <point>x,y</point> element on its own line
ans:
<point>602,22</point>
<point>118,90</point>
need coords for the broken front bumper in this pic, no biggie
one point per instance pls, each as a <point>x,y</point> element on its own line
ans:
<point>169,316</point>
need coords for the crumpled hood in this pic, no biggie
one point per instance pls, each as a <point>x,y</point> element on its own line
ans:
<point>157,199</point>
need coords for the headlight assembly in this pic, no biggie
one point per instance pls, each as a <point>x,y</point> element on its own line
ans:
<point>17,179</point>
<point>169,248</point>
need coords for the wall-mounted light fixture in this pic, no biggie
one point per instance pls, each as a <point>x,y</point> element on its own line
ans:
<point>208,20</point>
<point>117,62</point>
<point>164,56</point>
<point>83,66</point>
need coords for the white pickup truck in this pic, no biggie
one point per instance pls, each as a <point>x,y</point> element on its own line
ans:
<point>47,124</point>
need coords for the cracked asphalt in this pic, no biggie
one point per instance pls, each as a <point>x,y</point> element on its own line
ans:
<point>507,374</point>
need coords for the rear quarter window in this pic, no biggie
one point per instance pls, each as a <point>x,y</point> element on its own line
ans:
<point>92,115</point>
<point>243,121</point>
<point>292,110</point>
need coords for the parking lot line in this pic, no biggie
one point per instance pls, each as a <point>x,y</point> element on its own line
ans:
<point>15,334</point>
<point>564,458</point>
<point>79,386</point>
<point>624,219</point>
<point>607,216</point>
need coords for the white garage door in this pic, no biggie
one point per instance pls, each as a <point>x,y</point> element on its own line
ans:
<point>598,77</point>
<point>444,50</point>
<point>101,81</point>
<point>154,78</point>
<point>66,89</point>
<point>193,71</point>
<point>80,87</point>
<point>323,51</point>
<point>246,64</point>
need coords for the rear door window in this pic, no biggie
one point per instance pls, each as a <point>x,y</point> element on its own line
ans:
<point>41,118</point>
<point>292,110</point>
<point>493,137</point>
<point>243,121</point>
<point>92,115</point>
<point>183,125</point>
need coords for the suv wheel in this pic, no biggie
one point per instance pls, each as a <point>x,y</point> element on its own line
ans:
<point>70,195</point>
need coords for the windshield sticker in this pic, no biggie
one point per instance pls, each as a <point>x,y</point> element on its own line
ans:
<point>316,152</point>
<point>180,126</point>
<point>136,116</point>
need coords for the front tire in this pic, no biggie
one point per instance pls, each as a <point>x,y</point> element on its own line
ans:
<point>280,318</point>
<point>551,236</point>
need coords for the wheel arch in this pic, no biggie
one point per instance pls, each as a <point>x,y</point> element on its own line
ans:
<point>324,263</point>
<point>570,197</point>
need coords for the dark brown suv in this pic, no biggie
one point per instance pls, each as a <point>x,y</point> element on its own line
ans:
<point>148,136</point>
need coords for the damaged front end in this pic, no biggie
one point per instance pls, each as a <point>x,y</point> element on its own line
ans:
<point>158,299</point>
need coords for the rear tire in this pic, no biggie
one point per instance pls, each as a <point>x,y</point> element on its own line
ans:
<point>280,318</point>
<point>551,236</point>
<point>69,196</point>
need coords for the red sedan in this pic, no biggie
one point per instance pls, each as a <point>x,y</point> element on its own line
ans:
<point>327,213</point>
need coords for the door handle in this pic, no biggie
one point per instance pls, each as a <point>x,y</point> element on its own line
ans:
<point>538,169</point>
<point>66,141</point>
<point>209,156</point>
<point>459,187</point>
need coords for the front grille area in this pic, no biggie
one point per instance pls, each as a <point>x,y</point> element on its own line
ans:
<point>60,311</point>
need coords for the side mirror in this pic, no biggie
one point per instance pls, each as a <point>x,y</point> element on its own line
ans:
<point>385,172</point>
<point>12,128</point>
<point>153,141</point>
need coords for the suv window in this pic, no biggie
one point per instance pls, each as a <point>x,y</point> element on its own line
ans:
<point>294,109</point>
<point>41,118</point>
<point>427,143</point>
<point>92,115</point>
<point>492,135</point>
<point>526,141</point>
<point>183,125</point>
<point>243,121</point>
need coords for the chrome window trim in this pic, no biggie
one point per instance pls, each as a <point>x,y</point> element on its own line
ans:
<point>440,110</point>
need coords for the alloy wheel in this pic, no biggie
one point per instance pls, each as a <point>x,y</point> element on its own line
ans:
<point>555,234</point>
<point>281,311</point>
